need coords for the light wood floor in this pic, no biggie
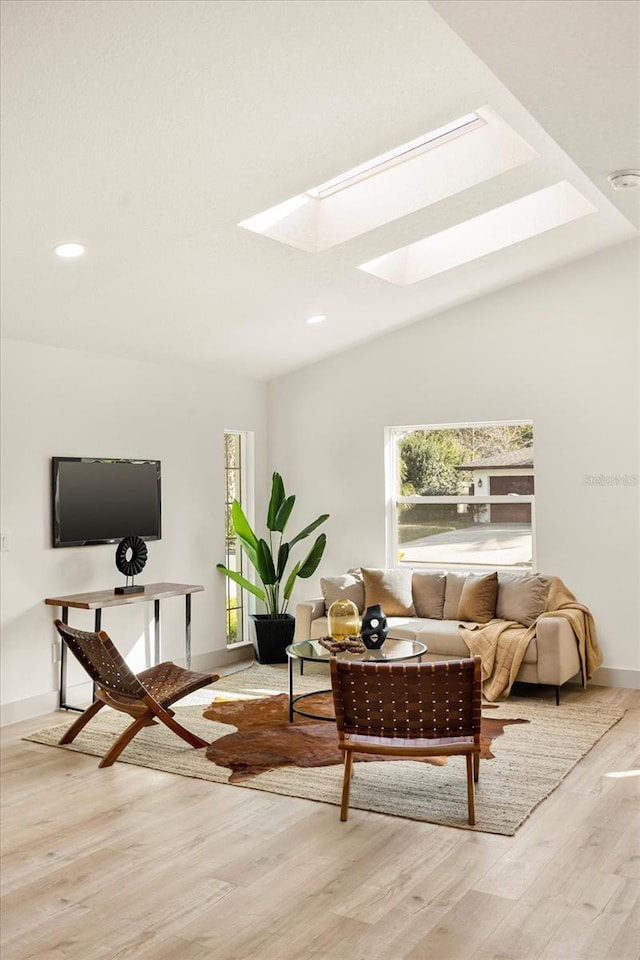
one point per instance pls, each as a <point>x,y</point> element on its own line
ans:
<point>136,864</point>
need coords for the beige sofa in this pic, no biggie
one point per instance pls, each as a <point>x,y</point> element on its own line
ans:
<point>430,606</point>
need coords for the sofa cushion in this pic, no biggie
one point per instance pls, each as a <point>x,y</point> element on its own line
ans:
<point>522,597</point>
<point>428,588</point>
<point>442,639</point>
<point>453,589</point>
<point>349,586</point>
<point>405,628</point>
<point>477,602</point>
<point>391,589</point>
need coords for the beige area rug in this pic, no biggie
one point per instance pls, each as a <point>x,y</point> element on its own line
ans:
<point>530,759</point>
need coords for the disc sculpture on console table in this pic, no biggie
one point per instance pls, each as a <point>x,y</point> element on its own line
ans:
<point>131,556</point>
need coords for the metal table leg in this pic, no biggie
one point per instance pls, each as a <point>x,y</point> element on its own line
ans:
<point>156,631</point>
<point>62,697</point>
<point>290,689</point>
<point>187,630</point>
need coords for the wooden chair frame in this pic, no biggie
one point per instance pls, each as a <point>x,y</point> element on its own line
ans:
<point>146,697</point>
<point>408,710</point>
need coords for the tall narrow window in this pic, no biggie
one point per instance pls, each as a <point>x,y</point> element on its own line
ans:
<point>236,453</point>
<point>461,495</point>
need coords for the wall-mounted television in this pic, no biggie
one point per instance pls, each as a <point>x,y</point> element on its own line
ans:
<point>97,500</point>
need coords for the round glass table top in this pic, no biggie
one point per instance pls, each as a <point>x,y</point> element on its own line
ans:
<point>390,650</point>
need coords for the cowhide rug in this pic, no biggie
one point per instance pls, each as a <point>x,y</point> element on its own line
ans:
<point>265,740</point>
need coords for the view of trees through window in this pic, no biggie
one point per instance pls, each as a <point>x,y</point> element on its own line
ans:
<point>234,490</point>
<point>463,494</point>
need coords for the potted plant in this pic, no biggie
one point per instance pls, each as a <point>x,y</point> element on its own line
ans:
<point>274,629</point>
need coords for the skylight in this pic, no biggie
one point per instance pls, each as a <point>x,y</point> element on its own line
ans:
<point>519,220</point>
<point>436,165</point>
<point>398,155</point>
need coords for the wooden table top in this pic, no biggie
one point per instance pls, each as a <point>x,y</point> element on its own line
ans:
<point>107,598</point>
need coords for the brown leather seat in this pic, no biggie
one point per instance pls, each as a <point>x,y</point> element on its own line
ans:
<point>409,710</point>
<point>146,696</point>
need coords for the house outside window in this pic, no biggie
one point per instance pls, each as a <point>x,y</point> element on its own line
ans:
<point>238,486</point>
<point>461,495</point>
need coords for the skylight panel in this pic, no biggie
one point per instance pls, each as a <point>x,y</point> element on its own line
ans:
<point>439,164</point>
<point>502,227</point>
<point>398,155</point>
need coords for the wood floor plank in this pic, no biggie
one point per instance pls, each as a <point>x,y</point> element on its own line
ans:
<point>463,928</point>
<point>173,948</point>
<point>593,924</point>
<point>524,931</point>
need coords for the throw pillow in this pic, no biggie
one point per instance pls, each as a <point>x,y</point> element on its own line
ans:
<point>346,587</point>
<point>522,598</point>
<point>428,593</point>
<point>478,598</point>
<point>391,589</point>
<point>453,589</point>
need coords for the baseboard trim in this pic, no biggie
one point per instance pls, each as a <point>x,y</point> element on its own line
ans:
<point>613,677</point>
<point>27,709</point>
<point>210,662</point>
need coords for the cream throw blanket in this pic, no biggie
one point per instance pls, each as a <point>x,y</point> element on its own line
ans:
<point>501,644</point>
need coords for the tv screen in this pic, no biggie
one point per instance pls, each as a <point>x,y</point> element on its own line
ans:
<point>102,501</point>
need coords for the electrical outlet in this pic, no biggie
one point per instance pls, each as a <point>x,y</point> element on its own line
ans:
<point>55,652</point>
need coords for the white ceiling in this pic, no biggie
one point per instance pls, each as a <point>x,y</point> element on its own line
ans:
<point>149,129</point>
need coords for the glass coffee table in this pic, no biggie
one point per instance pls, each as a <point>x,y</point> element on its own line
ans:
<point>311,651</point>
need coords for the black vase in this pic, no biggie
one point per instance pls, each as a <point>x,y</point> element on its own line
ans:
<point>374,627</point>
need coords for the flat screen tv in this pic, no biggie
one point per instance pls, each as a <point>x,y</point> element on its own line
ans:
<point>101,501</point>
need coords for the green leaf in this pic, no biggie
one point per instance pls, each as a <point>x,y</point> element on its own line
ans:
<point>250,552</point>
<point>307,530</point>
<point>276,501</point>
<point>283,556</point>
<point>310,563</point>
<point>242,526</point>
<point>242,581</point>
<point>283,514</point>
<point>265,566</point>
<point>288,587</point>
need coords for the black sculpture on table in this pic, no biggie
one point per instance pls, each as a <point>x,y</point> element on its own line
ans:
<point>131,556</point>
<point>374,627</point>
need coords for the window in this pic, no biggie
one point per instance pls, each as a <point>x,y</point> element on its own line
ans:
<point>460,495</point>
<point>237,448</point>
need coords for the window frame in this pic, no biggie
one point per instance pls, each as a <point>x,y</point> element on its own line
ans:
<point>392,436</point>
<point>244,603</point>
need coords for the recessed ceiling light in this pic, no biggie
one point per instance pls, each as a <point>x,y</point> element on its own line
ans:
<point>69,250</point>
<point>317,319</point>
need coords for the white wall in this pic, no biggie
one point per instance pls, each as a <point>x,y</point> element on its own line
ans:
<point>560,349</point>
<point>65,403</point>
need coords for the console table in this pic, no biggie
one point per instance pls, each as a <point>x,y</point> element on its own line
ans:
<point>107,598</point>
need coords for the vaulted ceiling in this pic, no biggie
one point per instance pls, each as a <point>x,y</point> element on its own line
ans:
<point>150,130</point>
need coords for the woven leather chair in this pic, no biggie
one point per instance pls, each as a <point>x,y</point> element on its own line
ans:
<point>408,710</point>
<point>146,696</point>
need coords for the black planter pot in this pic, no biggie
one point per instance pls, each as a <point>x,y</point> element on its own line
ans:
<point>273,636</point>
